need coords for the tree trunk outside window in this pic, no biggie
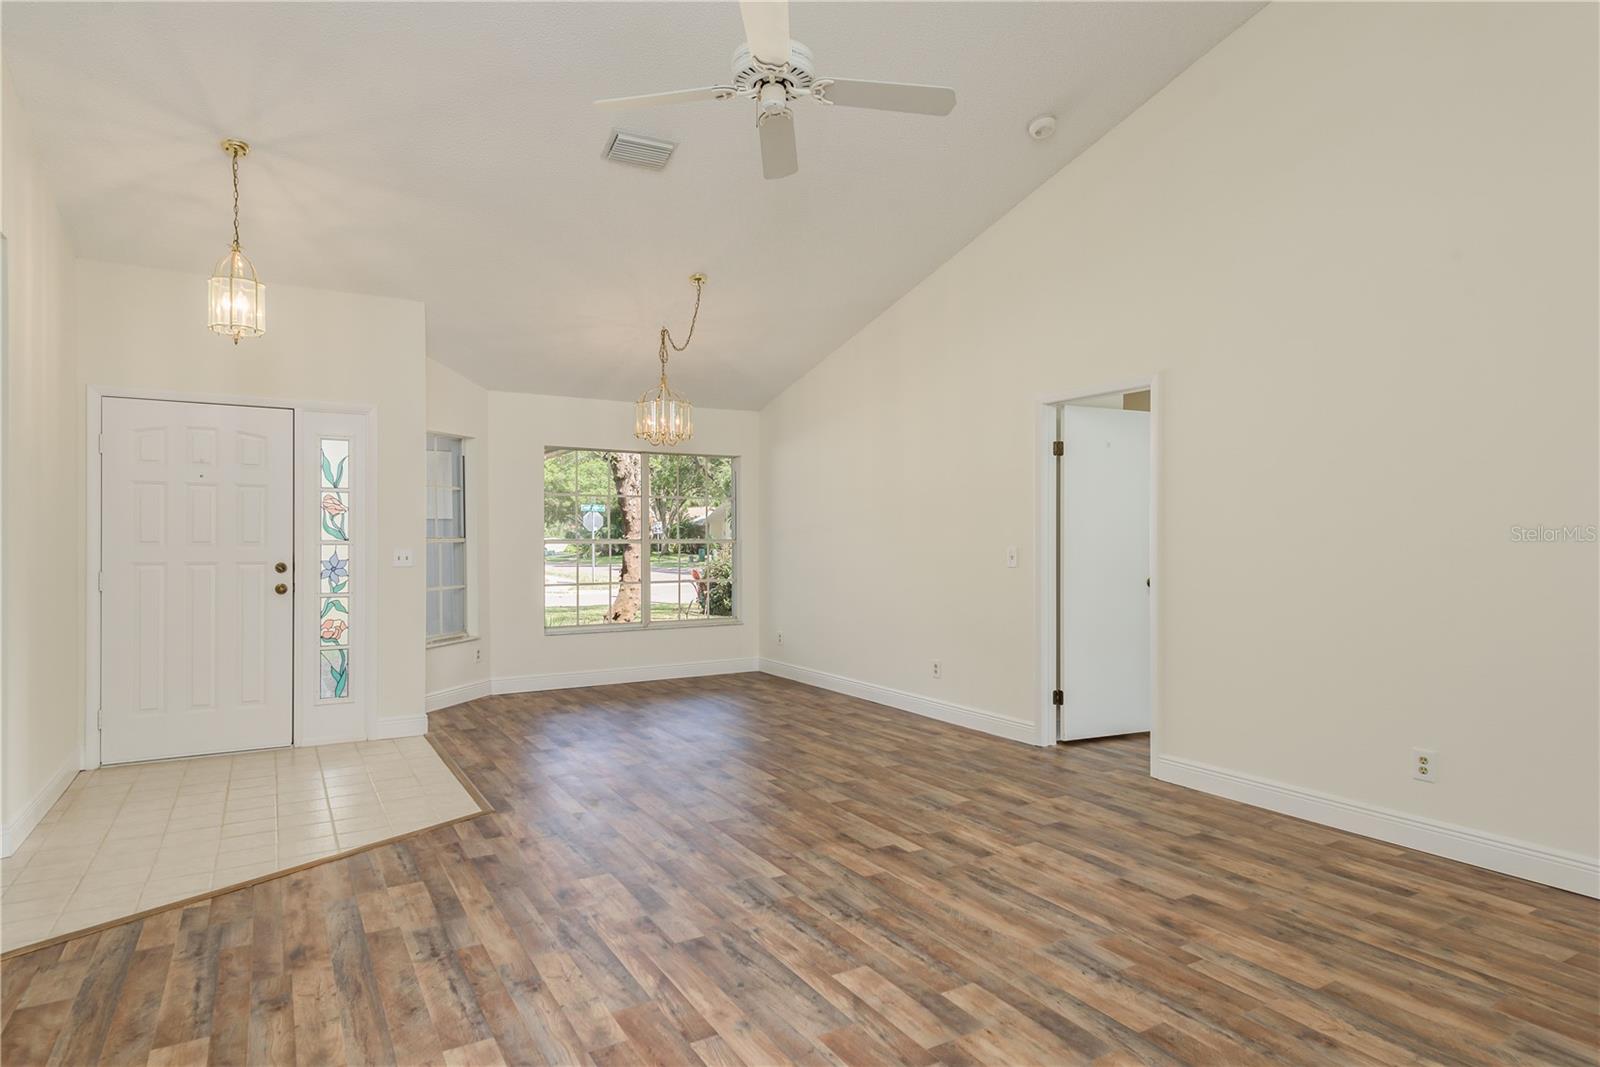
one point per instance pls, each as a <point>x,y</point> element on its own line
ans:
<point>625,471</point>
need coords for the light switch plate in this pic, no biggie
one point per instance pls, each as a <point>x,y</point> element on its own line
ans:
<point>402,557</point>
<point>1011,556</point>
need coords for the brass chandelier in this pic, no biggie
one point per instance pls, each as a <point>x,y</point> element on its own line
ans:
<point>661,416</point>
<point>237,301</point>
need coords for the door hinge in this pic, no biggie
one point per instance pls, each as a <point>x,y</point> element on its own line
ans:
<point>1057,698</point>
<point>100,581</point>
<point>1058,448</point>
<point>100,444</point>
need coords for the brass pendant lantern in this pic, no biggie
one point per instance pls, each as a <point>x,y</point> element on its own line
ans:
<point>237,301</point>
<point>662,416</point>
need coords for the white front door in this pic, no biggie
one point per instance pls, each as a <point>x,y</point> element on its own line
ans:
<point>197,572</point>
<point>1105,571</point>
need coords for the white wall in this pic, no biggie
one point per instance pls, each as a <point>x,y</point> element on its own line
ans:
<point>521,425</point>
<point>42,664</point>
<point>459,670</point>
<point>145,331</point>
<point>1359,244</point>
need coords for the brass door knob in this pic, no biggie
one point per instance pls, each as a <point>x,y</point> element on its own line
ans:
<point>280,567</point>
<point>280,589</point>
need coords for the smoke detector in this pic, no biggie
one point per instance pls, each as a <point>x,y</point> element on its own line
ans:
<point>638,150</point>
<point>1042,128</point>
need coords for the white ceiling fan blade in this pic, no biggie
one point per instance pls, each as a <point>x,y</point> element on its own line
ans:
<point>679,96</point>
<point>891,96</point>
<point>766,29</point>
<point>779,159</point>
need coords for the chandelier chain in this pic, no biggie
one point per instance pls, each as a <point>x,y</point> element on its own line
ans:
<point>666,335</point>
<point>235,155</point>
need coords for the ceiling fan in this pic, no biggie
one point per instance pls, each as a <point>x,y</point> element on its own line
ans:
<point>774,71</point>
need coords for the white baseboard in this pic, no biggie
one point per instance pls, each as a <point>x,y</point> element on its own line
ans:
<point>16,830</point>
<point>957,714</point>
<point>1521,859</point>
<point>398,726</point>
<point>457,694</point>
<point>534,683</point>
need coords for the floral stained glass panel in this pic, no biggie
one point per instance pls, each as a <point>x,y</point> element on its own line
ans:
<point>334,624</point>
<point>335,509</point>
<point>335,463</point>
<point>334,674</point>
<point>335,569</point>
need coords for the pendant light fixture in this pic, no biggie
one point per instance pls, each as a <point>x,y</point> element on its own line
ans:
<point>237,299</point>
<point>661,416</point>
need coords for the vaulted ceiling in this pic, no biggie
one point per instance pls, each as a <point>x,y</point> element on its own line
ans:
<point>449,153</point>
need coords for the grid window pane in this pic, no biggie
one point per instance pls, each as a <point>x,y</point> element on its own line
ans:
<point>633,538</point>
<point>446,499</point>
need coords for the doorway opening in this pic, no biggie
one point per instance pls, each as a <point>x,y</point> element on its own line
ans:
<point>1098,519</point>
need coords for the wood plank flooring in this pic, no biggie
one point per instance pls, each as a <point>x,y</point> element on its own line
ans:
<point>742,870</point>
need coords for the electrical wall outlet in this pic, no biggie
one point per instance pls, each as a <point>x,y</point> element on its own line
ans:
<point>1425,764</point>
<point>477,655</point>
<point>938,669</point>
<point>780,637</point>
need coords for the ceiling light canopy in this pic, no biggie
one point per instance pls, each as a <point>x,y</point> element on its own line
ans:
<point>237,299</point>
<point>662,416</point>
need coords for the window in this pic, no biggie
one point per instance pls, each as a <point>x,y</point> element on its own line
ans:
<point>447,538</point>
<point>333,519</point>
<point>636,540</point>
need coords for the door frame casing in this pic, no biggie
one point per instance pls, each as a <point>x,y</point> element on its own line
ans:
<point>1043,412</point>
<point>357,724</point>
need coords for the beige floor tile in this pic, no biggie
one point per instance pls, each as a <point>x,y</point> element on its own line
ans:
<point>357,838</point>
<point>172,889</point>
<point>246,827</point>
<point>313,817</point>
<point>244,873</point>
<point>24,910</point>
<point>70,922</point>
<point>120,898</point>
<point>117,874</point>
<point>360,822</point>
<point>258,858</point>
<point>24,932</point>
<point>128,838</point>
<point>294,840</point>
<point>309,802</point>
<point>353,801</point>
<point>133,845</point>
<point>247,842</point>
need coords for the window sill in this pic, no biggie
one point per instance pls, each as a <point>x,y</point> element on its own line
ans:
<point>635,627</point>
<point>453,639</point>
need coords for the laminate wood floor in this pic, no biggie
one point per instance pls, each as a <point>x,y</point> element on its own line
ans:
<point>742,870</point>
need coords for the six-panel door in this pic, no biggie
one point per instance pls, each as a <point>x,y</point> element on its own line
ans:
<point>197,605</point>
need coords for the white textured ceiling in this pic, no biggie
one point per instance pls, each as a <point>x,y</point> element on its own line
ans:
<point>448,152</point>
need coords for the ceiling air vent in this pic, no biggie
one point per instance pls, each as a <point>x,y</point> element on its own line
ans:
<point>639,151</point>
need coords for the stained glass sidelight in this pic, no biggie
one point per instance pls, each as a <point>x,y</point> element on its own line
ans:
<point>333,621</point>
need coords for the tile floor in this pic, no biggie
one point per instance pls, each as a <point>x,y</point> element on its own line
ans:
<point>124,839</point>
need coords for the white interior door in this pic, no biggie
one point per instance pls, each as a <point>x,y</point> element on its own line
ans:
<point>197,512</point>
<point>1105,571</point>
